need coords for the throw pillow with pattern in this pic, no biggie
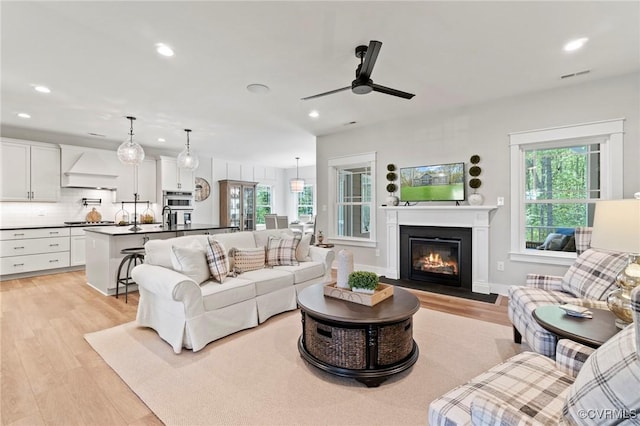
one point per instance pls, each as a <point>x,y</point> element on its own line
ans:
<point>282,251</point>
<point>247,259</point>
<point>593,274</point>
<point>217,260</point>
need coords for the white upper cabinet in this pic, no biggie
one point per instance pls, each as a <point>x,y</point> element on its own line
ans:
<point>30,171</point>
<point>173,178</point>
<point>146,182</point>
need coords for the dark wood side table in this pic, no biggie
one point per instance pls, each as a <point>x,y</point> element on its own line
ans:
<point>592,332</point>
<point>367,343</point>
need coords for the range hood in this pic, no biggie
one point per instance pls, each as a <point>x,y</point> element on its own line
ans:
<point>82,167</point>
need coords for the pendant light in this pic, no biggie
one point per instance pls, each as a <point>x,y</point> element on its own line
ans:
<point>297,184</point>
<point>130,152</point>
<point>188,159</point>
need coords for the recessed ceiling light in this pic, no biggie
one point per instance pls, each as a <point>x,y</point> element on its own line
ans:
<point>314,114</point>
<point>161,140</point>
<point>23,115</point>
<point>575,44</point>
<point>163,49</point>
<point>42,89</point>
<point>258,88</point>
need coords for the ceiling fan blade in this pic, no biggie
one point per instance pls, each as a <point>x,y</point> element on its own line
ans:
<point>390,91</point>
<point>370,60</point>
<point>325,93</point>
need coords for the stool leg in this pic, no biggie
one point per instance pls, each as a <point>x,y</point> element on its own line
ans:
<point>122,262</point>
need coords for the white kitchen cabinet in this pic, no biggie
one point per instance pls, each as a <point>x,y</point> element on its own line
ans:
<point>34,249</point>
<point>172,178</point>
<point>77,247</point>
<point>30,171</point>
<point>147,179</point>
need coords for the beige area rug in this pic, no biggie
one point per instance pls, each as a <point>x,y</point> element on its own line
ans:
<point>257,377</point>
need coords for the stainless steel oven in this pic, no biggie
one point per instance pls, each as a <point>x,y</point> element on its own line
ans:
<point>177,200</point>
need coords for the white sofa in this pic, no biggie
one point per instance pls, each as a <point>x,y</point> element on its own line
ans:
<point>187,314</point>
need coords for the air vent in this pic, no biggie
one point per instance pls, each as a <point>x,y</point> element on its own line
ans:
<point>575,74</point>
<point>97,134</point>
<point>350,123</point>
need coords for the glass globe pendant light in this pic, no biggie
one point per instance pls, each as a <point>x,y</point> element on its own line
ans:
<point>188,159</point>
<point>130,152</point>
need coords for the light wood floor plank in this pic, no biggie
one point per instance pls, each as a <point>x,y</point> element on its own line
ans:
<point>50,375</point>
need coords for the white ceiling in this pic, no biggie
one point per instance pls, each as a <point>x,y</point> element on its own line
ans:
<point>99,60</point>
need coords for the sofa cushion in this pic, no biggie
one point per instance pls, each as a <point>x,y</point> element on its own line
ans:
<point>593,274</point>
<point>268,280</point>
<point>217,259</point>
<point>529,382</point>
<point>282,251</point>
<point>304,271</point>
<point>607,383</point>
<point>191,261</point>
<point>247,259</point>
<point>232,291</point>
<point>302,252</point>
<point>158,252</point>
<point>262,236</point>
<point>235,239</point>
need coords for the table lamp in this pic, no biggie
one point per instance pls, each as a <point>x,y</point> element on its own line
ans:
<point>616,227</point>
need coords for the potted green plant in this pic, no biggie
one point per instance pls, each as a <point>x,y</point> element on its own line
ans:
<point>363,282</point>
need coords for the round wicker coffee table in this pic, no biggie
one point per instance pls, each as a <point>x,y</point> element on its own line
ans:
<point>367,343</point>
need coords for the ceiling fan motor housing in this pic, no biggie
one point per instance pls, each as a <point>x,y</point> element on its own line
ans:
<point>360,87</point>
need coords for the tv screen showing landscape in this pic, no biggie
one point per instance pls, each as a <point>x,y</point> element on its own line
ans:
<point>440,182</point>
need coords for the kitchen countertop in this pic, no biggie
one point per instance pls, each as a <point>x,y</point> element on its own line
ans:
<point>155,228</point>
<point>55,225</point>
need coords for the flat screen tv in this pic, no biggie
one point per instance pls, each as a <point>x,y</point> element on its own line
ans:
<point>439,182</point>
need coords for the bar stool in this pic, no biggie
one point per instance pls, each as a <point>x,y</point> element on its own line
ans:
<point>132,257</point>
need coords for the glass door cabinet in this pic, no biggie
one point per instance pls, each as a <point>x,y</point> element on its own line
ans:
<point>238,204</point>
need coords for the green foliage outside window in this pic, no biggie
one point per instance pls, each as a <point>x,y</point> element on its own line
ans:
<point>263,202</point>
<point>305,201</point>
<point>562,185</point>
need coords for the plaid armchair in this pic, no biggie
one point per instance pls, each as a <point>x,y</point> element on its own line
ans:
<point>582,386</point>
<point>587,283</point>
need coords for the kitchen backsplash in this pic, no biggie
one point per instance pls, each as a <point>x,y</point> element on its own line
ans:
<point>68,208</point>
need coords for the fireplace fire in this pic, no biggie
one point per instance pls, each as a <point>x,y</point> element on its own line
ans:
<point>433,262</point>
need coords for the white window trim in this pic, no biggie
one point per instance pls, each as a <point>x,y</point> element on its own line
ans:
<point>611,163</point>
<point>364,159</point>
<point>313,206</point>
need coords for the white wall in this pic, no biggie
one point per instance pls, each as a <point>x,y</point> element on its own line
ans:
<point>483,129</point>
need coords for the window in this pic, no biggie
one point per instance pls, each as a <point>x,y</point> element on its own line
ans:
<point>352,189</point>
<point>304,201</point>
<point>263,202</point>
<point>557,176</point>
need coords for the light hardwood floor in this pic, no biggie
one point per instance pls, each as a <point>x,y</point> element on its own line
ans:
<point>49,373</point>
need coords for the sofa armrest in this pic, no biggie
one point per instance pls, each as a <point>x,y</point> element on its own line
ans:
<point>571,356</point>
<point>487,410</point>
<point>171,285</point>
<point>545,282</point>
<point>325,256</point>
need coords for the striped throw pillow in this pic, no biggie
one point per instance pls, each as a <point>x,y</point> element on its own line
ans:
<point>282,251</point>
<point>247,259</point>
<point>217,260</point>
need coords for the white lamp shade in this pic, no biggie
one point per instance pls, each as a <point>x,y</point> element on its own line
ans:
<point>188,160</point>
<point>131,153</point>
<point>616,226</point>
<point>297,185</point>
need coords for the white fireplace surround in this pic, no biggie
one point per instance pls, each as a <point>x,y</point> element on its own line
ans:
<point>474,217</point>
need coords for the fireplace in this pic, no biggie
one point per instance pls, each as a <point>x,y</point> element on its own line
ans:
<point>436,255</point>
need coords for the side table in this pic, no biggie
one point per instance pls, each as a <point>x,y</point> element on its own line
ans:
<point>592,332</point>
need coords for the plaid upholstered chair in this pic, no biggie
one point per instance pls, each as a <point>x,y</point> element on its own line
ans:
<point>587,283</point>
<point>583,386</point>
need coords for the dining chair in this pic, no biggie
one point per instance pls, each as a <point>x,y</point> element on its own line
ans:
<point>282,222</point>
<point>270,221</point>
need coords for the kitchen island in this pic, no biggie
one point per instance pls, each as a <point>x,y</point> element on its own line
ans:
<point>104,243</point>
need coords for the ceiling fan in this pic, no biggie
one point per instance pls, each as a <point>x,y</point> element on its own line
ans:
<point>363,83</point>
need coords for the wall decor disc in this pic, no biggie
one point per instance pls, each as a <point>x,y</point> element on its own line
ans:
<point>391,167</point>
<point>203,190</point>
<point>475,159</point>
<point>475,171</point>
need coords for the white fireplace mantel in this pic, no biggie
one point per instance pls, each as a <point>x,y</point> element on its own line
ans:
<point>475,217</point>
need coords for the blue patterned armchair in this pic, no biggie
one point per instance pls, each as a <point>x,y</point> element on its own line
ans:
<point>587,283</point>
<point>583,386</point>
